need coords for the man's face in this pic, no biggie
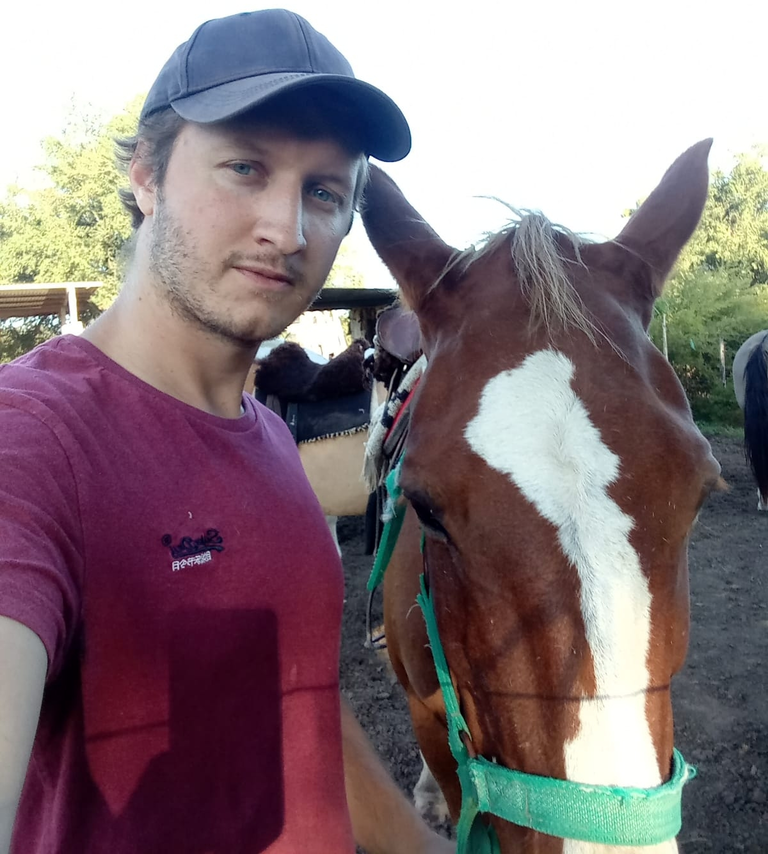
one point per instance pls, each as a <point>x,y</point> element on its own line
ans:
<point>247,225</point>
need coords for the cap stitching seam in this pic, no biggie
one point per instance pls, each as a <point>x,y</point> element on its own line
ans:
<point>190,45</point>
<point>306,43</point>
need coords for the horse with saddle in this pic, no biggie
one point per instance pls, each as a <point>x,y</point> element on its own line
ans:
<point>330,408</point>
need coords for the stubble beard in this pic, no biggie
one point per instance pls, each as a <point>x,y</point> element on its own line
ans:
<point>187,282</point>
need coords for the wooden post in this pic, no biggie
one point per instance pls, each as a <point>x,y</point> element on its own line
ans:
<point>72,298</point>
<point>664,335</point>
<point>722,362</point>
<point>74,326</point>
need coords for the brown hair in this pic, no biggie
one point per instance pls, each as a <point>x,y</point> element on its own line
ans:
<point>308,114</point>
<point>158,133</point>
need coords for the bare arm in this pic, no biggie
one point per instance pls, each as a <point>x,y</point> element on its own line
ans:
<point>383,821</point>
<point>23,663</point>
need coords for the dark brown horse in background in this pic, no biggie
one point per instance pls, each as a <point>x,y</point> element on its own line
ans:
<point>750,382</point>
<point>555,471</point>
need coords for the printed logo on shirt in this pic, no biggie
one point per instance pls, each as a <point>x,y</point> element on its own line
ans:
<point>193,552</point>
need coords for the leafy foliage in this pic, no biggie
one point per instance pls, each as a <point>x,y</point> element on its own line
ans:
<point>345,272</point>
<point>73,227</point>
<point>702,308</point>
<point>20,336</point>
<point>733,232</point>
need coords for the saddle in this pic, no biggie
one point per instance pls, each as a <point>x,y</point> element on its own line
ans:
<point>397,343</point>
<point>397,348</point>
<point>316,401</point>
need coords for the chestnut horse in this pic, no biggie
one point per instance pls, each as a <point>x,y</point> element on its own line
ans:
<point>552,474</point>
<point>750,382</point>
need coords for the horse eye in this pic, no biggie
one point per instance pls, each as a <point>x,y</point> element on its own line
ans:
<point>428,517</point>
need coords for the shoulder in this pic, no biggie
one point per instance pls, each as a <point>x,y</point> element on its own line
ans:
<point>53,382</point>
<point>36,454</point>
<point>57,370</point>
<point>56,354</point>
<point>46,401</point>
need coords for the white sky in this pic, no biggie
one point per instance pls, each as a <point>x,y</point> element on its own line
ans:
<point>574,108</point>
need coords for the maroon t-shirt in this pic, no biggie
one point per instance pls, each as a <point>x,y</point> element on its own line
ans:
<point>179,571</point>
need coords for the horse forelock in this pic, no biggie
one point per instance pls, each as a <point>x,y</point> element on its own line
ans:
<point>544,256</point>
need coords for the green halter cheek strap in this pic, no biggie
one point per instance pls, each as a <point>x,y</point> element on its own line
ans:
<point>609,815</point>
<point>396,508</point>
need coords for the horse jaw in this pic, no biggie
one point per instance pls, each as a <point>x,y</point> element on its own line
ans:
<point>409,247</point>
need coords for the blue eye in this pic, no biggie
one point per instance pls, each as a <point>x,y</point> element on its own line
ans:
<point>242,168</point>
<point>324,195</point>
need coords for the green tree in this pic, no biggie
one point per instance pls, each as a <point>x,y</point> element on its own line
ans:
<point>19,336</point>
<point>733,233</point>
<point>73,227</point>
<point>346,272</point>
<point>703,307</point>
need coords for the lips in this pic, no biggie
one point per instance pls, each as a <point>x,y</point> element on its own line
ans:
<point>265,278</point>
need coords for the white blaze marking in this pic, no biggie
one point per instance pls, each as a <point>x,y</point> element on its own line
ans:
<point>532,427</point>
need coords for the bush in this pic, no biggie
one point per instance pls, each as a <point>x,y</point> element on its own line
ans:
<point>20,336</point>
<point>702,308</point>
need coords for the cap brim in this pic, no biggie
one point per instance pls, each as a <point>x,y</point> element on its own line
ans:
<point>387,136</point>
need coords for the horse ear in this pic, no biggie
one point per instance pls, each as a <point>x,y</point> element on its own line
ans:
<point>410,248</point>
<point>664,223</point>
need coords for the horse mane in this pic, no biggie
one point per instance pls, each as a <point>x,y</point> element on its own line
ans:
<point>541,265</point>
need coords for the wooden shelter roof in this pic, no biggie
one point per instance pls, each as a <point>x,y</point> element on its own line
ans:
<point>329,298</point>
<point>35,299</point>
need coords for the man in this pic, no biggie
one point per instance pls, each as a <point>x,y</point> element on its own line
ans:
<point>170,597</point>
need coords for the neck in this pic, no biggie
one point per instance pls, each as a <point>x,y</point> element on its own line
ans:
<point>145,336</point>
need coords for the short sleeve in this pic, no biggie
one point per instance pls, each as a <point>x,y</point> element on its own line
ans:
<point>41,563</point>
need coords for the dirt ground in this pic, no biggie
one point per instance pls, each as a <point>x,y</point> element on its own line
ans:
<point>720,697</point>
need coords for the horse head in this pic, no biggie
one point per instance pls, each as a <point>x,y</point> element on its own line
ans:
<point>554,472</point>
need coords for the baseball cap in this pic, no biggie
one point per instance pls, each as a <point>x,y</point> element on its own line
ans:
<point>233,64</point>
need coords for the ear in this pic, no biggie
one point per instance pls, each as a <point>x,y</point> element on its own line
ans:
<point>664,223</point>
<point>410,248</point>
<point>142,182</point>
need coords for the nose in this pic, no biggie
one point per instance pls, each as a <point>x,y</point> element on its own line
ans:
<point>280,221</point>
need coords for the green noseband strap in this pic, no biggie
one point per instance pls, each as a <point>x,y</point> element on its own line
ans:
<point>608,815</point>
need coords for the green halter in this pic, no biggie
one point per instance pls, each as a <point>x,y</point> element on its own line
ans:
<point>610,815</point>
